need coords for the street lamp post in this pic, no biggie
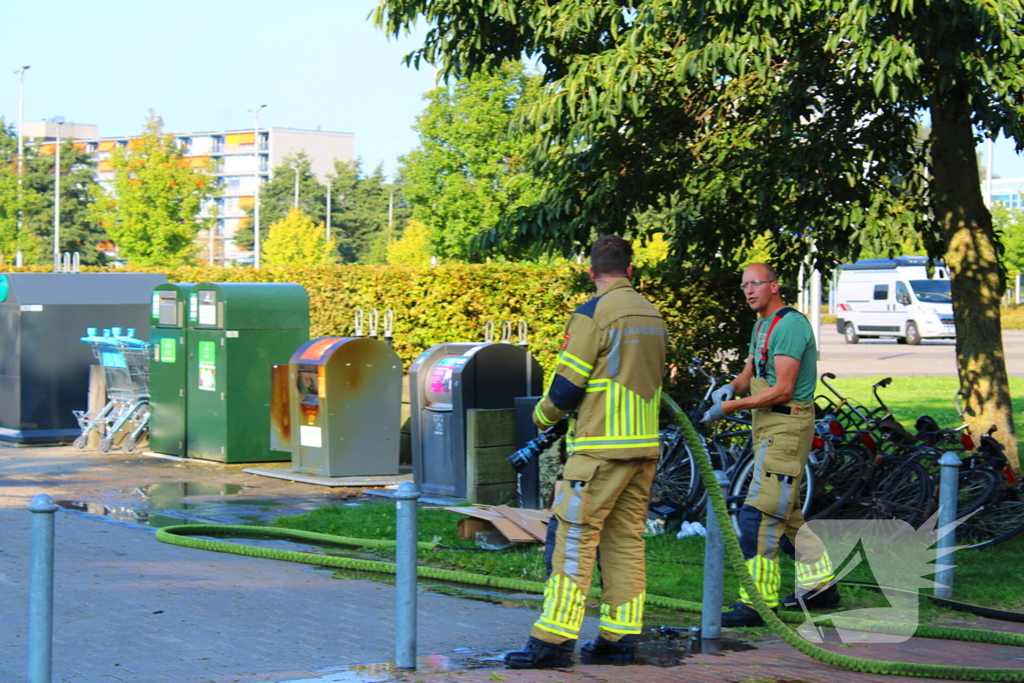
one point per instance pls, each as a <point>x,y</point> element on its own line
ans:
<point>296,202</point>
<point>21,120</point>
<point>328,235</point>
<point>256,192</point>
<point>59,120</point>
<point>21,144</point>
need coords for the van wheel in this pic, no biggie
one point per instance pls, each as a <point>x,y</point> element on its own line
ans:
<point>851,334</point>
<point>913,336</point>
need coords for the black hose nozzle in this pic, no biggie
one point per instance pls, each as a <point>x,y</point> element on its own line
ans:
<point>543,441</point>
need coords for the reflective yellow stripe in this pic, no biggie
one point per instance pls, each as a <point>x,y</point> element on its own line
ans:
<point>625,619</point>
<point>617,441</point>
<point>575,363</point>
<point>810,575</point>
<point>541,417</point>
<point>767,579</point>
<point>563,607</point>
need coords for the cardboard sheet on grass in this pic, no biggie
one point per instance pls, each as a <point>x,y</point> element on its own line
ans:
<point>518,526</point>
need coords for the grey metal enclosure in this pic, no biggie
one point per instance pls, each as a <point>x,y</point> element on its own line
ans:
<point>44,367</point>
<point>346,398</point>
<point>445,382</point>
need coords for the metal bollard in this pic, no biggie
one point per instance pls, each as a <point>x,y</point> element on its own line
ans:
<point>405,575</point>
<point>714,575</point>
<point>948,484</point>
<point>40,601</point>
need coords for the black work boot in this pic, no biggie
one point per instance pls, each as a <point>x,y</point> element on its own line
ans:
<point>813,599</point>
<point>741,614</point>
<point>603,651</point>
<point>537,654</point>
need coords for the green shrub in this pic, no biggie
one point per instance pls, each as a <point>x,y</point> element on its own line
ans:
<point>705,314</point>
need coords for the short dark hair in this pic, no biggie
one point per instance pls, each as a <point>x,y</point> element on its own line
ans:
<point>610,255</point>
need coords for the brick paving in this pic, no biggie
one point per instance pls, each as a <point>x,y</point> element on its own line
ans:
<point>128,608</point>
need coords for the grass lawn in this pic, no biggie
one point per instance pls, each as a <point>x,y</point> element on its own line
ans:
<point>675,566</point>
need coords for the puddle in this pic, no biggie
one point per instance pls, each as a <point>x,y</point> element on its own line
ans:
<point>387,671</point>
<point>168,496</point>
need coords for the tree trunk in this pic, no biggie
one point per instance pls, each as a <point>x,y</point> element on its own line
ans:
<point>970,253</point>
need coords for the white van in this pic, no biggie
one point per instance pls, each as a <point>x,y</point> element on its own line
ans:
<point>894,298</point>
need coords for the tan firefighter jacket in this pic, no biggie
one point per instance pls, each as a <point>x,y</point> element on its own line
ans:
<point>609,376</point>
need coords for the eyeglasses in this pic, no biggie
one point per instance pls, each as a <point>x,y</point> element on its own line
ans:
<point>754,283</point>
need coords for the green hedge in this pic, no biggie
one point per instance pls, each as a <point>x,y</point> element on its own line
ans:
<point>705,313</point>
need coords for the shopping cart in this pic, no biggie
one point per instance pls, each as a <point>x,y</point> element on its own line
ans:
<point>124,418</point>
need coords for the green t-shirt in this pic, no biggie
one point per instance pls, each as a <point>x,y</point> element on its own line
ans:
<point>792,336</point>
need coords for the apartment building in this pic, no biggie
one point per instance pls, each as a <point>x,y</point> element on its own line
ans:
<point>241,158</point>
<point>1008,192</point>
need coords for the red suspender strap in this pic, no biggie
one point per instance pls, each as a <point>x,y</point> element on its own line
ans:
<point>762,365</point>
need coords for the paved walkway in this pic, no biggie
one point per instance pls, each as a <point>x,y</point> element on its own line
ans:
<point>129,608</point>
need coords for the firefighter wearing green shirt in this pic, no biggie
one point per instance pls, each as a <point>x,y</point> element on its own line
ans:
<point>780,376</point>
<point>608,380</point>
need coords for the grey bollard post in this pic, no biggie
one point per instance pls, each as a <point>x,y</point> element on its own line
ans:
<point>714,574</point>
<point>405,575</point>
<point>948,484</point>
<point>40,602</point>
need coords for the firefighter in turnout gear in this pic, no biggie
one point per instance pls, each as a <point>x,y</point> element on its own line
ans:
<point>780,376</point>
<point>608,380</point>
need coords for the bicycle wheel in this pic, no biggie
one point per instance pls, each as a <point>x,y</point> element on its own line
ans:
<point>839,481</point>
<point>676,479</point>
<point>900,490</point>
<point>975,487</point>
<point>991,524</point>
<point>740,485</point>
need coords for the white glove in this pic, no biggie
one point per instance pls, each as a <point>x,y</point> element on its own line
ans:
<point>713,413</point>
<point>725,393</point>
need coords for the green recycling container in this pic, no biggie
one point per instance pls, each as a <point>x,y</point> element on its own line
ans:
<point>167,374</point>
<point>237,331</point>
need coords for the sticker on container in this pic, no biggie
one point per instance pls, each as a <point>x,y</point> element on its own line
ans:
<point>207,366</point>
<point>208,314</point>
<point>4,287</point>
<point>193,307</point>
<point>168,350</point>
<point>441,377</point>
<point>156,304</point>
<point>310,436</point>
<point>35,308</point>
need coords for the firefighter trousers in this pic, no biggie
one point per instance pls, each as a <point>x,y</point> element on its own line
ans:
<point>601,502</point>
<point>772,509</point>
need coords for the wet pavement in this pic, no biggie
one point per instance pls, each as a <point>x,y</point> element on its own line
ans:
<point>128,608</point>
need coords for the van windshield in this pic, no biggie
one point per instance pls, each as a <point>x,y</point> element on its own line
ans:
<point>932,291</point>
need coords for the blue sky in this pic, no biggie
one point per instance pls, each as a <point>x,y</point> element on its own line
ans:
<point>203,65</point>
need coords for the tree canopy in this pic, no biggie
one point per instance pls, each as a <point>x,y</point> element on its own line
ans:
<point>153,212</point>
<point>795,118</point>
<point>468,169</point>
<point>35,201</point>
<point>296,240</point>
<point>359,204</point>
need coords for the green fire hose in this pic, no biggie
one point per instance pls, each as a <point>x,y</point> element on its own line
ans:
<point>183,535</point>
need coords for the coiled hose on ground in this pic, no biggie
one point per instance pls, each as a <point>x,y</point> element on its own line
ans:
<point>183,535</point>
